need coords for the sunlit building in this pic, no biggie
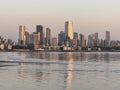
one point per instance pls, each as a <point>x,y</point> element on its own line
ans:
<point>69,29</point>
<point>22,37</point>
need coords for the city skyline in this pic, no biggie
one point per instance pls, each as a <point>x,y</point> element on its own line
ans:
<point>66,40</point>
<point>87,16</point>
<point>46,32</point>
<point>69,38</point>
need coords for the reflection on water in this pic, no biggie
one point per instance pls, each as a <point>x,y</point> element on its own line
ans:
<point>21,71</point>
<point>69,79</point>
<point>60,71</point>
<point>69,70</point>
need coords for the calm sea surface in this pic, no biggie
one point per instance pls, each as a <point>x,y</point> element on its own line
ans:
<point>59,71</point>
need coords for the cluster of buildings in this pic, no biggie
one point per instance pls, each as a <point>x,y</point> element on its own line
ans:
<point>94,41</point>
<point>41,39</point>
<point>6,44</point>
<point>66,40</point>
<point>36,40</point>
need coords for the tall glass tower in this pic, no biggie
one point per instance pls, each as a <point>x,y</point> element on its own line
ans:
<point>107,39</point>
<point>48,36</point>
<point>107,35</point>
<point>40,29</point>
<point>22,36</point>
<point>69,29</point>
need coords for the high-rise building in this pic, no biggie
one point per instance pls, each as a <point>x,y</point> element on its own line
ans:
<point>54,41</point>
<point>27,37</point>
<point>69,29</point>
<point>96,40</point>
<point>82,41</point>
<point>61,38</point>
<point>48,36</point>
<point>75,40</point>
<point>107,36</point>
<point>91,40</point>
<point>107,39</point>
<point>96,36</point>
<point>75,35</point>
<point>22,37</point>
<point>34,38</point>
<point>40,28</point>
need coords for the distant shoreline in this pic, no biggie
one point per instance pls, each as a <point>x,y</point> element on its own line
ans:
<point>55,51</point>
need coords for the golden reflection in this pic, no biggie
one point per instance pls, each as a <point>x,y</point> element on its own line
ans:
<point>69,70</point>
<point>69,76</point>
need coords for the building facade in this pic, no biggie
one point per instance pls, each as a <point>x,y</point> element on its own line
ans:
<point>40,29</point>
<point>96,40</point>
<point>34,38</point>
<point>82,41</point>
<point>48,36</point>
<point>22,37</point>
<point>27,37</point>
<point>61,38</point>
<point>69,29</point>
<point>107,39</point>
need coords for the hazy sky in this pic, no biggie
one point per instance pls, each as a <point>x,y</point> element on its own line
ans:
<point>88,16</point>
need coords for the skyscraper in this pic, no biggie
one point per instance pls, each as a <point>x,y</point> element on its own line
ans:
<point>27,37</point>
<point>96,40</point>
<point>40,28</point>
<point>75,40</point>
<point>91,39</point>
<point>107,39</point>
<point>22,37</point>
<point>69,29</point>
<point>96,36</point>
<point>34,38</point>
<point>61,38</point>
<point>107,35</point>
<point>82,40</point>
<point>48,36</point>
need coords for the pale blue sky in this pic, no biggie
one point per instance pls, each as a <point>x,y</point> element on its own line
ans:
<point>88,16</point>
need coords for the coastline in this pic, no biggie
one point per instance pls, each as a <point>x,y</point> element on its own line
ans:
<point>56,51</point>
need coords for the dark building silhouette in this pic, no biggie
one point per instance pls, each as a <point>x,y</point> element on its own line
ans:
<point>40,28</point>
<point>48,36</point>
